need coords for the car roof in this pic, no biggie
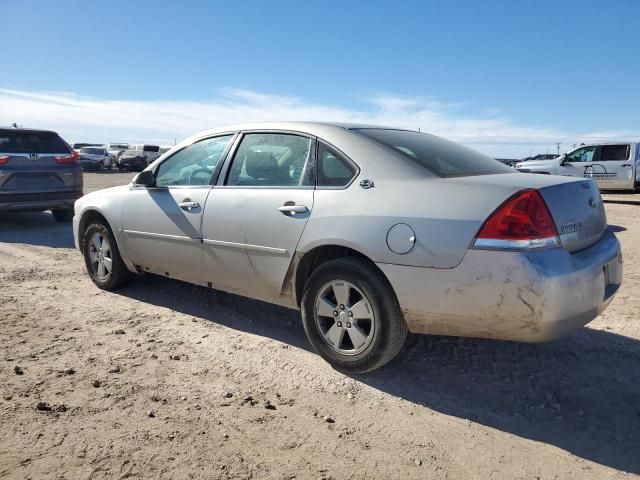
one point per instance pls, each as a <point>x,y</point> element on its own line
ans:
<point>21,129</point>
<point>312,128</point>
<point>605,143</point>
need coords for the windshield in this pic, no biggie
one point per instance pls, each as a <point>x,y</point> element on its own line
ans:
<point>440,156</point>
<point>92,151</point>
<point>118,146</point>
<point>150,148</point>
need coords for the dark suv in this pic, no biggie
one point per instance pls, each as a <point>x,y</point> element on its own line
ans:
<point>38,171</point>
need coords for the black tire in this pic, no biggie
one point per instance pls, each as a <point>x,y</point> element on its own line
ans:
<point>99,167</point>
<point>390,328</point>
<point>120,275</point>
<point>63,214</point>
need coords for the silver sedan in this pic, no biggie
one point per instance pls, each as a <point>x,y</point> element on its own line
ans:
<point>370,231</point>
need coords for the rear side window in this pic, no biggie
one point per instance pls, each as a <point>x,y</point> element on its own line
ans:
<point>439,156</point>
<point>151,148</point>
<point>614,152</point>
<point>333,169</point>
<point>16,141</point>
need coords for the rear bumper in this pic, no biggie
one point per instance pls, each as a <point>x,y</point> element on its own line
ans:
<point>527,297</point>
<point>38,201</point>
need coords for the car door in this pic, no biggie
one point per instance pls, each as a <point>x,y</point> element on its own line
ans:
<point>613,167</point>
<point>255,217</point>
<point>162,224</point>
<point>578,163</point>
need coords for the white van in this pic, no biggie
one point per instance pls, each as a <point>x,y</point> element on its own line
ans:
<point>149,152</point>
<point>613,166</point>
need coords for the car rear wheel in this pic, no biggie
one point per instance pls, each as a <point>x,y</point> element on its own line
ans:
<point>102,258</point>
<point>351,315</point>
<point>63,214</point>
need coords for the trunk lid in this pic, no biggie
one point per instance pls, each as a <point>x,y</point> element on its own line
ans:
<point>578,212</point>
<point>575,203</point>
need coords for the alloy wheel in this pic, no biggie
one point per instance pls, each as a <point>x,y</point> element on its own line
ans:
<point>100,256</point>
<point>344,317</point>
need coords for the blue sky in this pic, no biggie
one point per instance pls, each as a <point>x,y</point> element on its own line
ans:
<point>504,77</point>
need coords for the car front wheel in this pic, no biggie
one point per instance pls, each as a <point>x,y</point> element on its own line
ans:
<point>351,315</point>
<point>102,258</point>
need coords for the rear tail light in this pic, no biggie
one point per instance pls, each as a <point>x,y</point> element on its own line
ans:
<point>4,159</point>
<point>66,159</point>
<point>522,222</point>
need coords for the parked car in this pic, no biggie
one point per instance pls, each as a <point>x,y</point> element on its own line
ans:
<point>38,171</point>
<point>79,145</point>
<point>164,149</point>
<point>116,149</point>
<point>95,158</point>
<point>132,160</point>
<point>370,231</point>
<point>150,152</point>
<point>613,166</point>
<point>508,161</point>
<point>541,156</point>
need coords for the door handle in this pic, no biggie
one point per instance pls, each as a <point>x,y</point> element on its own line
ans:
<point>626,165</point>
<point>293,209</point>
<point>188,205</point>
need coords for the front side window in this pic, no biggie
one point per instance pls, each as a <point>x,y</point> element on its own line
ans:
<point>614,152</point>
<point>581,155</point>
<point>194,164</point>
<point>439,156</point>
<point>271,160</point>
<point>333,169</point>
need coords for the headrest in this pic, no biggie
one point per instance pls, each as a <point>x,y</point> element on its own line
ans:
<point>261,165</point>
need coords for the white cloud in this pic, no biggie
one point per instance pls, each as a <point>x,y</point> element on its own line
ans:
<point>83,118</point>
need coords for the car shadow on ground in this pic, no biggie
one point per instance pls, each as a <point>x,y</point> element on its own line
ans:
<point>35,228</point>
<point>580,394</point>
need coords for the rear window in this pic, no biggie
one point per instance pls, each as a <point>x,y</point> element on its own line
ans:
<point>439,156</point>
<point>150,148</point>
<point>16,141</point>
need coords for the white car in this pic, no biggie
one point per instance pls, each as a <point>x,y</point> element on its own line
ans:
<point>116,149</point>
<point>95,158</point>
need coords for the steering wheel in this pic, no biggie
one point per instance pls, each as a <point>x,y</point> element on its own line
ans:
<point>195,172</point>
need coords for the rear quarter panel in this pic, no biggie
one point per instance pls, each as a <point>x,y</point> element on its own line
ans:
<point>444,214</point>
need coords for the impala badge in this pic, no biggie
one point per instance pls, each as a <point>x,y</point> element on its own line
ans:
<point>571,227</point>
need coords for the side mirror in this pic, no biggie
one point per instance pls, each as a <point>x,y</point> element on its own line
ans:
<point>145,179</point>
<point>563,159</point>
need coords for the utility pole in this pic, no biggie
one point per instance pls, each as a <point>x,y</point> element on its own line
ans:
<point>558,147</point>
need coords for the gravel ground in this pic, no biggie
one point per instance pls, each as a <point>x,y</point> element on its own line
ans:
<point>167,380</point>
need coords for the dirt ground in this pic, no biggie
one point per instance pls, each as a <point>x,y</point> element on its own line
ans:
<point>167,380</point>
